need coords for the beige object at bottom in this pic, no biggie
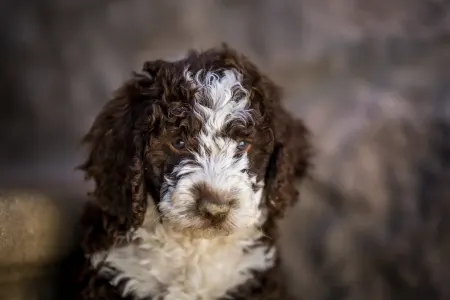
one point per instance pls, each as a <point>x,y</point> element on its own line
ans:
<point>37,233</point>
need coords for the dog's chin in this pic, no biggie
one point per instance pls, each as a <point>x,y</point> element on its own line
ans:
<point>203,233</point>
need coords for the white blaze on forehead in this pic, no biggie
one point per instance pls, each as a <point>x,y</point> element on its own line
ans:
<point>219,98</point>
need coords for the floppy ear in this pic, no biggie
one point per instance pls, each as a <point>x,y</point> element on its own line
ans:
<point>292,151</point>
<point>116,143</point>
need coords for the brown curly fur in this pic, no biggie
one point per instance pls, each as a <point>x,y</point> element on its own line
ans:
<point>116,161</point>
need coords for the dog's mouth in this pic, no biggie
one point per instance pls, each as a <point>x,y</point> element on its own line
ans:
<point>204,212</point>
<point>201,218</point>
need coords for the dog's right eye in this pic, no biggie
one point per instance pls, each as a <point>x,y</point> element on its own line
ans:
<point>178,144</point>
<point>243,146</point>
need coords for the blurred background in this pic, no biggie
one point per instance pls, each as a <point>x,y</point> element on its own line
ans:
<point>348,67</point>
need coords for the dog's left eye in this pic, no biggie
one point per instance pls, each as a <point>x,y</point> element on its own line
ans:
<point>178,144</point>
<point>243,146</point>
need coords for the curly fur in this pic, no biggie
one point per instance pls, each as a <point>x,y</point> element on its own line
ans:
<point>142,110</point>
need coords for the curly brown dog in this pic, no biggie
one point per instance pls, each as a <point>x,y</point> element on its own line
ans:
<point>193,163</point>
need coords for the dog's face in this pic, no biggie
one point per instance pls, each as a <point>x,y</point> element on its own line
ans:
<point>209,156</point>
<point>206,138</point>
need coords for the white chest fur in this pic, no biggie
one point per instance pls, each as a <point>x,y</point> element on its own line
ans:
<point>160,262</point>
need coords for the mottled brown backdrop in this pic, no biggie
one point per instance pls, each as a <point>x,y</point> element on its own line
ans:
<point>357,71</point>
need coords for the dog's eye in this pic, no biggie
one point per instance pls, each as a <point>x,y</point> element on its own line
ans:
<point>178,144</point>
<point>243,146</point>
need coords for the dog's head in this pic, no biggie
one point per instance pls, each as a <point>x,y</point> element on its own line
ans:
<point>205,137</point>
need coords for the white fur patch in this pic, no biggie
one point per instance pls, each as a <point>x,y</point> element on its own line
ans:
<point>219,99</point>
<point>160,262</point>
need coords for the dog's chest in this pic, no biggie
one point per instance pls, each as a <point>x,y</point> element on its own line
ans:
<point>166,265</point>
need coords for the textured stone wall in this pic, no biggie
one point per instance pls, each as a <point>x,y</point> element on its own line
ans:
<point>348,67</point>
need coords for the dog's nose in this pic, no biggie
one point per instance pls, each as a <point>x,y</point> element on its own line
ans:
<point>212,202</point>
<point>213,207</point>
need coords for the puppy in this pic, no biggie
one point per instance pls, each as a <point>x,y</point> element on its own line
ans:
<point>193,162</point>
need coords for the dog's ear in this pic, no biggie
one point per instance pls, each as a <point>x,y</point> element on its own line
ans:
<point>292,151</point>
<point>116,144</point>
